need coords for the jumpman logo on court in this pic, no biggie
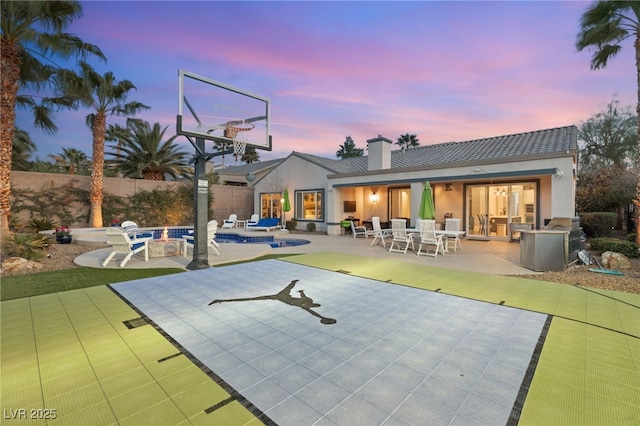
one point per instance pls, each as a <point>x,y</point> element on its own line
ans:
<point>304,301</point>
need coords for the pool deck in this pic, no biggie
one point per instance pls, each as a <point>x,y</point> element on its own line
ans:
<point>92,357</point>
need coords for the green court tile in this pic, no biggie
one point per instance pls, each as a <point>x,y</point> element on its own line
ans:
<point>116,366</point>
<point>123,383</point>
<point>620,375</point>
<point>614,390</point>
<point>23,397</point>
<point>108,353</point>
<point>144,339</point>
<point>198,398</point>
<point>14,381</point>
<point>28,415</point>
<point>76,399</point>
<point>563,359</point>
<point>614,360</point>
<point>159,350</point>
<point>52,334</point>
<point>96,343</point>
<point>137,400</point>
<point>60,353</point>
<point>231,414</point>
<point>94,332</point>
<point>160,414</point>
<point>567,376</point>
<point>546,410</point>
<point>63,384</point>
<point>97,414</point>
<point>179,381</point>
<point>167,367</point>
<point>64,367</point>
<point>18,355</point>
<point>614,410</point>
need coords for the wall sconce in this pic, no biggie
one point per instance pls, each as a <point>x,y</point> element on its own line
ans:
<point>447,187</point>
<point>559,173</point>
<point>373,197</point>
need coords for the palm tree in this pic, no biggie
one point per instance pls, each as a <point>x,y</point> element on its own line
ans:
<point>144,155</point>
<point>71,159</point>
<point>349,150</point>
<point>22,149</point>
<point>603,27</point>
<point>250,155</point>
<point>104,96</point>
<point>407,141</point>
<point>31,31</point>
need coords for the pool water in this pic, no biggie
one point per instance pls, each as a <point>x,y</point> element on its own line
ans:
<point>227,238</point>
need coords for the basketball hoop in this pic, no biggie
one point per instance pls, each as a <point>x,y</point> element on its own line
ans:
<point>232,131</point>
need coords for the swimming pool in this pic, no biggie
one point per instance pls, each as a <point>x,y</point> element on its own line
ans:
<point>229,238</point>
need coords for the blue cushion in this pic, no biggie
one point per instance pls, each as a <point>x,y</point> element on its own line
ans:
<point>268,222</point>
<point>137,246</point>
<point>144,235</point>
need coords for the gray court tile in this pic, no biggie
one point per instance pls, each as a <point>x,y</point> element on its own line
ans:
<point>395,355</point>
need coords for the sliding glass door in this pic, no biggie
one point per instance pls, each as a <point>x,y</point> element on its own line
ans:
<point>493,207</point>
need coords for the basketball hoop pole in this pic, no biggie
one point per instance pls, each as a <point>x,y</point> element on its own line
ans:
<point>200,209</point>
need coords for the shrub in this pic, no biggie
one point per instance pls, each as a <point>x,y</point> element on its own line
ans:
<point>41,224</point>
<point>631,237</point>
<point>27,246</point>
<point>628,248</point>
<point>311,227</point>
<point>598,224</point>
<point>291,224</point>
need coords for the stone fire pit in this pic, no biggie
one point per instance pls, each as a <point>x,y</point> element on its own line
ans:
<point>165,248</point>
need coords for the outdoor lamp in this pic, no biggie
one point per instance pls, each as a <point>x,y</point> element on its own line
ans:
<point>250,177</point>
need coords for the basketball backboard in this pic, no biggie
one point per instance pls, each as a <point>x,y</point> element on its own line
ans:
<point>215,111</point>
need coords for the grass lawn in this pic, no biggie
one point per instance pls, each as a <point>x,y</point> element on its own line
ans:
<point>82,277</point>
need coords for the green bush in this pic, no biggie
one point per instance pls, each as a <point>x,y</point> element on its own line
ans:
<point>311,227</point>
<point>41,224</point>
<point>598,224</point>
<point>27,246</point>
<point>628,248</point>
<point>291,224</point>
<point>631,237</point>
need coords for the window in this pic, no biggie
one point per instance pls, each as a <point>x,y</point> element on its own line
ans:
<point>309,205</point>
<point>270,205</point>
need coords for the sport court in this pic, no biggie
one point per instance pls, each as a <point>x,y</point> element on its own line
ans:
<point>347,350</point>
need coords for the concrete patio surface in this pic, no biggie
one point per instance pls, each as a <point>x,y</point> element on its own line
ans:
<point>415,341</point>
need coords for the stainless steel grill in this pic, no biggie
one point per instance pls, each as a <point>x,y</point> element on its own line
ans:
<point>551,249</point>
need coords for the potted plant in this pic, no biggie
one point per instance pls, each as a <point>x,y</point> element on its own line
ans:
<point>63,235</point>
<point>116,222</point>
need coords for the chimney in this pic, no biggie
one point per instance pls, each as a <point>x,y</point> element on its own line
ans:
<point>379,153</point>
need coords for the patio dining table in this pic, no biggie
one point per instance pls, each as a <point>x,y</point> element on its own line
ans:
<point>442,232</point>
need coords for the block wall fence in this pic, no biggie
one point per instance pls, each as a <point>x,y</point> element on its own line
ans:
<point>227,199</point>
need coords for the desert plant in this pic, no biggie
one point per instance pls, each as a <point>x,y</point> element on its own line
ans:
<point>42,223</point>
<point>311,227</point>
<point>27,246</point>
<point>628,248</point>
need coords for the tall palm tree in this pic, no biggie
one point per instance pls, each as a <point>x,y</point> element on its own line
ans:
<point>144,155</point>
<point>603,27</point>
<point>32,31</point>
<point>104,96</point>
<point>407,141</point>
<point>71,159</point>
<point>22,149</point>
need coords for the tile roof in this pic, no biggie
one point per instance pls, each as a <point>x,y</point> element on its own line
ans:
<point>559,140</point>
<point>243,169</point>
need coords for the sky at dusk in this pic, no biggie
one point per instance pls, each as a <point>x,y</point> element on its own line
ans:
<point>445,71</point>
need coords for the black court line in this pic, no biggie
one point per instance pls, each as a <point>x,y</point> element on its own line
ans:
<point>219,405</point>
<point>516,410</point>
<point>167,358</point>
<point>235,395</point>
<point>608,297</point>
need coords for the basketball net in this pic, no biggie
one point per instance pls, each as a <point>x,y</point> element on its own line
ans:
<point>234,131</point>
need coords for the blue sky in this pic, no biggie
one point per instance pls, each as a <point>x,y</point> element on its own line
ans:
<point>446,71</point>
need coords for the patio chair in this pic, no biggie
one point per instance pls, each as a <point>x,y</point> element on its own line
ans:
<point>122,243</point>
<point>358,230</point>
<point>400,236</point>
<point>212,228</point>
<point>378,233</point>
<point>255,218</point>
<point>231,222</point>
<point>453,224</point>
<point>265,224</point>
<point>428,238</point>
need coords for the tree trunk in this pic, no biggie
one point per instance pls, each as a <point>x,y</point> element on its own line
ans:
<point>636,202</point>
<point>97,171</point>
<point>10,82</point>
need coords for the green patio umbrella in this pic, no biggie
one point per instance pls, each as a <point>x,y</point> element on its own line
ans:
<point>286,206</point>
<point>427,210</point>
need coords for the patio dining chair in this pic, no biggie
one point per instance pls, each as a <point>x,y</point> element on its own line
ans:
<point>400,237</point>
<point>453,224</point>
<point>428,238</point>
<point>378,233</point>
<point>358,230</point>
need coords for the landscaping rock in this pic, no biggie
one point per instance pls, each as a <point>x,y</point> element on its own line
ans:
<point>615,261</point>
<point>18,264</point>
